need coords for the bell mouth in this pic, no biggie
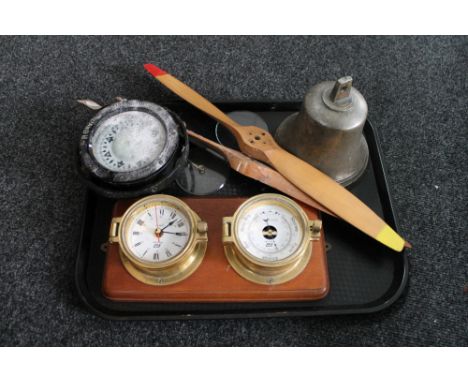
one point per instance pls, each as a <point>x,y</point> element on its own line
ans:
<point>280,134</point>
<point>346,179</point>
<point>360,167</point>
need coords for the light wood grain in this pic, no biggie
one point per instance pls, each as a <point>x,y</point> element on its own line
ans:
<point>258,144</point>
<point>260,172</point>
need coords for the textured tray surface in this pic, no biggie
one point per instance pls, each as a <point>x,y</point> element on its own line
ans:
<point>364,275</point>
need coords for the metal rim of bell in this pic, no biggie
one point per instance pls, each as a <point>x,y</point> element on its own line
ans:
<point>289,122</point>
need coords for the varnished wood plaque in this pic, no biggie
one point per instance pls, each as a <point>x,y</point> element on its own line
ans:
<point>215,280</point>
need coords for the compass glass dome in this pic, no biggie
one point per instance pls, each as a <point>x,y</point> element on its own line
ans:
<point>128,141</point>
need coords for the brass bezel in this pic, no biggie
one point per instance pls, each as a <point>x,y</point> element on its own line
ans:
<point>263,272</point>
<point>169,271</point>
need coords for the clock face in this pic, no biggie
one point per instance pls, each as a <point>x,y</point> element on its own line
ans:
<point>128,141</point>
<point>269,232</point>
<point>158,232</point>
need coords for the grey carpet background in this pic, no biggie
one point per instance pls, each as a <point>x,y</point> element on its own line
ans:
<point>416,89</point>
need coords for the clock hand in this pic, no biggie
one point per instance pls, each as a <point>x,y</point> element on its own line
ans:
<point>158,232</point>
<point>177,233</point>
<point>171,223</point>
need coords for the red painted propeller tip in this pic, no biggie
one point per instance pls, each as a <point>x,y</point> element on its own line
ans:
<point>154,70</point>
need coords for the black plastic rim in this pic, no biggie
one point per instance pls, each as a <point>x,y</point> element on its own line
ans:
<point>91,166</point>
<point>153,183</point>
<point>150,311</point>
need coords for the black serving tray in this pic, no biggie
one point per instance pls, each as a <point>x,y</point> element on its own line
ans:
<point>365,276</point>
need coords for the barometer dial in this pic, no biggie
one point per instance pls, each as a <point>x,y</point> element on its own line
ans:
<point>268,240</point>
<point>270,232</point>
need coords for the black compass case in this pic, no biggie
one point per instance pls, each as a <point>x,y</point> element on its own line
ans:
<point>156,176</point>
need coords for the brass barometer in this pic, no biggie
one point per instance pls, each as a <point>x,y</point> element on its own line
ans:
<point>161,239</point>
<point>268,240</point>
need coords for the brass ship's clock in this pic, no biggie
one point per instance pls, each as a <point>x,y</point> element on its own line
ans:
<point>161,239</point>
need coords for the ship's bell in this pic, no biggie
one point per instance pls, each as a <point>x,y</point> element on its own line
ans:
<point>327,131</point>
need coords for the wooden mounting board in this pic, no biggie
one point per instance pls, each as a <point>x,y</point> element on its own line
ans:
<point>215,280</point>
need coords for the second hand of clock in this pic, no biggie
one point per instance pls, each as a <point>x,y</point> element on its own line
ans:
<point>176,233</point>
<point>157,224</point>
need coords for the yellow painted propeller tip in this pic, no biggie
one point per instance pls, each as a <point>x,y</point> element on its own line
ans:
<point>391,239</point>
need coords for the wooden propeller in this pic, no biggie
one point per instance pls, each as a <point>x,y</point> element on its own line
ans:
<point>257,170</point>
<point>260,145</point>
